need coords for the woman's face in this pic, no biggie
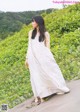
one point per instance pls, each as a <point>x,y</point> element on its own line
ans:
<point>34,24</point>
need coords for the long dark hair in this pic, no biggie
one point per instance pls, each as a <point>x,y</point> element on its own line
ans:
<point>40,21</point>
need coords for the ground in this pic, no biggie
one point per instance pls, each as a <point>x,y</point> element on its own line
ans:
<point>57,103</point>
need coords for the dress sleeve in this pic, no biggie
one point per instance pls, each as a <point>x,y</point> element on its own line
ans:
<point>29,37</point>
<point>47,39</point>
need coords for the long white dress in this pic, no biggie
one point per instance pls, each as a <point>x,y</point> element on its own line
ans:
<point>45,75</point>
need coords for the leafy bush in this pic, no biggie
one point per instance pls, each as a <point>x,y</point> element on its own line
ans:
<point>66,51</point>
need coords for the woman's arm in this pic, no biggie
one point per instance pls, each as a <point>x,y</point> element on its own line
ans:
<point>26,61</point>
<point>29,36</point>
<point>47,40</point>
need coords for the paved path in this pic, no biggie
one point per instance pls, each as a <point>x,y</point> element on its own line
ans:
<point>58,103</point>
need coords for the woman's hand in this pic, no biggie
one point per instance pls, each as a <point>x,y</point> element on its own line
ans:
<point>26,63</point>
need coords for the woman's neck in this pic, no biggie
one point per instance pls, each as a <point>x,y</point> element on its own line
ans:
<point>37,29</point>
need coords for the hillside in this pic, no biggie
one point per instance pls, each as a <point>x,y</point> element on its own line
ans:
<point>11,22</point>
<point>64,29</point>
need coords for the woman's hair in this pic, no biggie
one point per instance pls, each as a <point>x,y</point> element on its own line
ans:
<point>40,21</point>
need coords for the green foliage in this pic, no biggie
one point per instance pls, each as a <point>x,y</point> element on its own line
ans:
<point>63,21</point>
<point>65,45</point>
<point>66,51</point>
<point>14,77</point>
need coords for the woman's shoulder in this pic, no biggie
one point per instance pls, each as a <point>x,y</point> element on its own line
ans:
<point>47,34</point>
<point>30,32</point>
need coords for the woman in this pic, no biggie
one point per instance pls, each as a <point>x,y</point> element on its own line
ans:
<point>45,75</point>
